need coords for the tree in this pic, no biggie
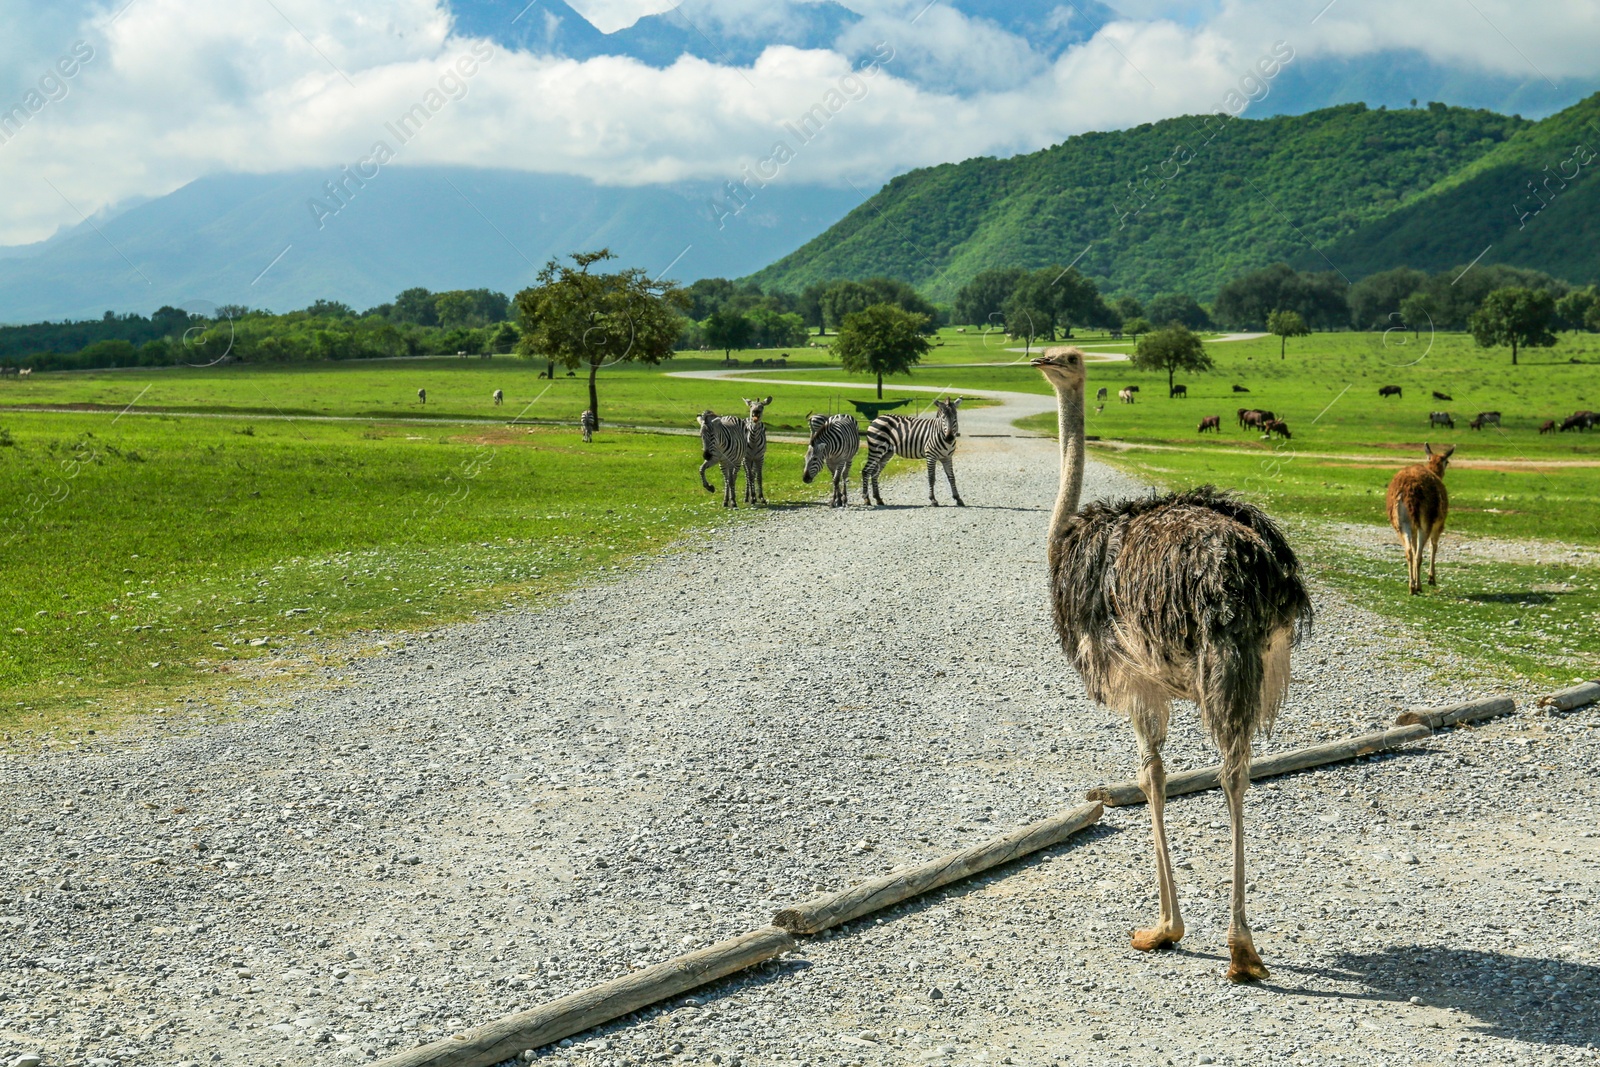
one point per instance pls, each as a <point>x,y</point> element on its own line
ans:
<point>774,329</point>
<point>416,306</point>
<point>580,318</point>
<point>810,305</point>
<point>727,330</point>
<point>1284,325</point>
<point>1129,308</point>
<point>1173,349</point>
<point>980,301</point>
<point>1378,296</point>
<point>842,299</point>
<point>882,339</point>
<point>1167,308</point>
<point>503,339</point>
<point>1514,316</point>
<point>1135,326</point>
<point>1578,310</point>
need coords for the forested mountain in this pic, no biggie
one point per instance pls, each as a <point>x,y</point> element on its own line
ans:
<point>1178,206</point>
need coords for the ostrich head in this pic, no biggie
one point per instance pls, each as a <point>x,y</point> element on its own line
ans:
<point>1062,368</point>
<point>756,407</point>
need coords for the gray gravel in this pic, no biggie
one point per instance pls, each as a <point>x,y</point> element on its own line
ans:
<point>506,811</point>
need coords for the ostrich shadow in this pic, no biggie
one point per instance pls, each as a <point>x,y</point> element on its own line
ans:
<point>1564,1011</point>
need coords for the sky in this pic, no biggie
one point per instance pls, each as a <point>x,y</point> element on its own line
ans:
<point>161,92</point>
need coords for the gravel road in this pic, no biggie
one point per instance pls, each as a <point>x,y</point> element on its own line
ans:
<point>494,814</point>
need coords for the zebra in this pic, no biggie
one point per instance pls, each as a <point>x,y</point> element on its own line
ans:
<point>835,440</point>
<point>897,435</point>
<point>755,451</point>
<point>723,441</point>
<point>499,397</point>
<point>588,422</point>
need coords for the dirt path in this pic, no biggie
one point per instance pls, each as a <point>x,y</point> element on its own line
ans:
<point>505,811</point>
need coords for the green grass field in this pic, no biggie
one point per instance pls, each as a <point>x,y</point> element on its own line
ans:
<point>144,555</point>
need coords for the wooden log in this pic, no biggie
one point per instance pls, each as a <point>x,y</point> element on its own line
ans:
<point>1123,794</point>
<point>1575,697</point>
<point>831,909</point>
<point>1471,711</point>
<point>504,1038</point>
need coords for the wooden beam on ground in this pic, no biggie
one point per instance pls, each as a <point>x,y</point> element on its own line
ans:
<point>504,1038</point>
<point>831,909</point>
<point>1471,711</point>
<point>1123,794</point>
<point>1576,697</point>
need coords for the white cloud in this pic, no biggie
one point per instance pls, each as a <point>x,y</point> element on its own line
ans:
<point>179,88</point>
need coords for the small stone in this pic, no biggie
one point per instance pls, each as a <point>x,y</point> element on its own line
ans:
<point>411,861</point>
<point>935,993</point>
<point>27,1059</point>
<point>1416,1000</point>
<point>1203,1058</point>
<point>1408,857</point>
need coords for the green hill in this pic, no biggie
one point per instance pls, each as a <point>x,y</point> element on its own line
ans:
<point>1488,204</point>
<point>1239,197</point>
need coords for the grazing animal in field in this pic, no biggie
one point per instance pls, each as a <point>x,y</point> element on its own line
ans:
<point>1442,396</point>
<point>1254,417</point>
<point>1389,390</point>
<point>755,452</point>
<point>588,422</point>
<point>1101,394</point>
<point>1440,418</point>
<point>1240,389</point>
<point>1418,505</point>
<point>25,372</point>
<point>1578,420</point>
<point>422,395</point>
<point>933,439</point>
<point>1098,408</point>
<point>1189,596</point>
<point>1125,395</point>
<point>1276,426</point>
<point>1548,426</point>
<point>835,440</point>
<point>1485,418</point>
<point>572,374</point>
<point>499,397</point>
<point>722,441</point>
<point>1210,422</point>
<point>1178,390</point>
<point>1133,388</point>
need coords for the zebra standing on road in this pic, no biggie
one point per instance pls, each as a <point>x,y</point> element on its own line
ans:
<point>835,440</point>
<point>897,435</point>
<point>723,442</point>
<point>755,452</point>
<point>588,422</point>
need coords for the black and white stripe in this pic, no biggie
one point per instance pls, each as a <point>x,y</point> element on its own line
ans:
<point>589,423</point>
<point>933,439</point>
<point>835,440</point>
<point>755,451</point>
<point>723,442</point>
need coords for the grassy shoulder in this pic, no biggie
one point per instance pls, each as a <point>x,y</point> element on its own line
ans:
<point>147,556</point>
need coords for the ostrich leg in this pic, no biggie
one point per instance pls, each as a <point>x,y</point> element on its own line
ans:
<point>1150,724</point>
<point>1246,965</point>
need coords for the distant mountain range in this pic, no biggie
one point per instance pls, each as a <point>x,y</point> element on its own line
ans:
<point>1172,206</point>
<point>251,239</point>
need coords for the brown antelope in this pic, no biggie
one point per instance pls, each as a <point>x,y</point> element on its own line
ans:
<point>1418,505</point>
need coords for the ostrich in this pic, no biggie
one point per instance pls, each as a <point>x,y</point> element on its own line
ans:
<point>1193,596</point>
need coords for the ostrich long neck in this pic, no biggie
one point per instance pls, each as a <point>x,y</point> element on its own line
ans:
<point>1069,400</point>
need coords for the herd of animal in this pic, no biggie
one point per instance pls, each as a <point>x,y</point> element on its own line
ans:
<point>1580,420</point>
<point>739,445</point>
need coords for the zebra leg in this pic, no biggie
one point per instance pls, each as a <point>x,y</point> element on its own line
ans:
<point>749,481</point>
<point>950,476</point>
<point>730,485</point>
<point>757,475</point>
<point>709,487</point>
<point>933,500</point>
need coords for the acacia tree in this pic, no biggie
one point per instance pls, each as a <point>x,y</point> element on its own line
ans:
<point>1514,316</point>
<point>882,339</point>
<point>578,318</point>
<point>727,330</point>
<point>1284,325</point>
<point>1173,349</point>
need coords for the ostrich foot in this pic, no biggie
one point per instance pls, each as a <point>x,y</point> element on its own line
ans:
<point>1157,937</point>
<point>1246,965</point>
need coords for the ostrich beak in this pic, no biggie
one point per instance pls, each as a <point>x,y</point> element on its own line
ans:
<point>1039,361</point>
